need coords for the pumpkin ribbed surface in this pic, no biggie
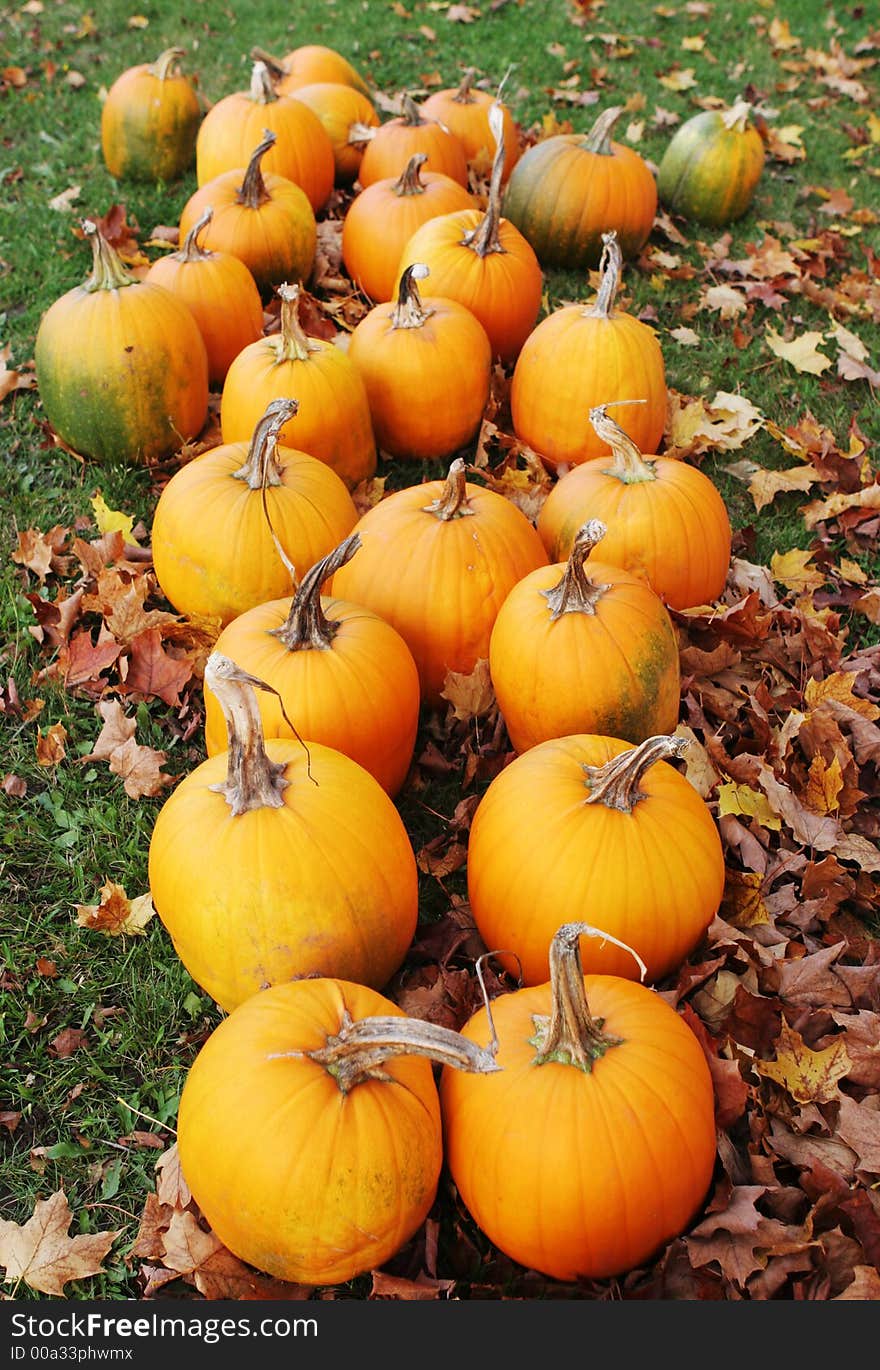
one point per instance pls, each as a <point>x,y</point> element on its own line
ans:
<point>150,121</point>
<point>711,166</point>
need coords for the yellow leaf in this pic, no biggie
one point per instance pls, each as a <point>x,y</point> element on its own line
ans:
<point>795,571</point>
<point>116,913</point>
<point>808,1076</point>
<point>781,36</point>
<point>817,511</point>
<point>764,485</point>
<point>693,42</point>
<point>874,127</point>
<point>112,520</point>
<point>745,802</point>
<point>839,686</point>
<point>678,80</point>
<point>743,904</point>
<point>802,353</point>
<point>137,21</point>
<point>824,784</point>
<point>851,572</point>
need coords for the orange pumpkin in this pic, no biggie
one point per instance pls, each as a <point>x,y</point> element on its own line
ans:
<point>343,676</point>
<point>332,421</point>
<point>150,120</point>
<point>465,111</point>
<point>577,358</point>
<point>394,142</point>
<point>309,63</point>
<point>594,1143</point>
<point>437,563</point>
<point>664,519</point>
<point>347,115</point>
<point>584,647</point>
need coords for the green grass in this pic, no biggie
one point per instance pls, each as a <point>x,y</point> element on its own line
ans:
<point>76,828</point>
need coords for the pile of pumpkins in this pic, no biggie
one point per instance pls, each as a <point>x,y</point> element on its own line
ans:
<point>575,1114</point>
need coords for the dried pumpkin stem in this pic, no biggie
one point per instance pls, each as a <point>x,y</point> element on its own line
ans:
<point>275,64</point>
<point>484,238</point>
<point>252,192</point>
<point>262,91</point>
<point>409,311</point>
<point>598,139</point>
<point>410,181</point>
<point>253,781</point>
<point>191,252</point>
<point>109,271</point>
<point>617,784</point>
<point>575,593</point>
<point>262,467</point>
<point>463,95</point>
<point>737,117</point>
<point>307,626</point>
<point>610,265</point>
<point>452,502</point>
<point>571,1035</point>
<point>410,114</point>
<point>292,342</point>
<point>167,63</point>
<point>629,465</point>
<point>357,1052</point>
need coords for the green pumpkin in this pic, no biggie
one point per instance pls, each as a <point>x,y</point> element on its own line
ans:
<point>712,165</point>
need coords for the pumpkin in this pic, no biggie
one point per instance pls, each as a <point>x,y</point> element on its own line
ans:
<point>134,387</point>
<point>382,218</point>
<point>329,1161</point>
<point>483,261</point>
<point>594,1143</point>
<point>437,561</point>
<point>347,115</point>
<point>466,112</point>
<point>309,63</point>
<point>579,357</point>
<point>302,151</point>
<point>233,527</point>
<point>344,677</point>
<point>265,221</point>
<point>427,370</point>
<point>219,291</point>
<point>663,519</point>
<point>332,421</point>
<point>280,858</point>
<point>394,142</point>
<point>712,165</point>
<point>588,822</point>
<point>149,121</point>
<point>566,191</point>
<point>584,646</point>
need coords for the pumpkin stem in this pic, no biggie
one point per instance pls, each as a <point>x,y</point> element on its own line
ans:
<point>617,784</point>
<point>571,1035</point>
<point>575,593</point>
<point>598,139</point>
<point>191,252</point>
<point>275,64</point>
<point>452,501</point>
<point>484,238</point>
<point>610,265</point>
<point>463,95</point>
<point>252,192</point>
<point>736,118</point>
<point>167,63</point>
<point>410,181</point>
<point>262,467</point>
<point>293,343</point>
<point>262,91</point>
<point>411,115</point>
<point>357,1051</point>
<point>307,626</point>
<point>629,464</point>
<point>409,312</point>
<point>109,271</point>
<point>253,781</point>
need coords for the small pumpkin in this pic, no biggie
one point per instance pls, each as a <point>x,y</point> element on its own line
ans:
<point>219,291</point>
<point>663,518</point>
<point>591,822</point>
<point>265,221</point>
<point>332,421</point>
<point>568,190</point>
<point>584,647</point>
<point>339,673</point>
<point>394,142</point>
<point>480,259</point>
<point>150,120</point>
<point>308,63</point>
<point>437,561</point>
<point>280,858</point>
<point>579,357</point>
<point>134,387</point>
<point>465,110</point>
<point>594,1143</point>
<point>712,165</point>
<point>347,115</point>
<point>335,1162</point>
<point>221,519</point>
<point>427,370</point>
<point>382,218</point>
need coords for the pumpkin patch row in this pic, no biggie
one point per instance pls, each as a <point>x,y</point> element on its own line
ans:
<point>306,880</point>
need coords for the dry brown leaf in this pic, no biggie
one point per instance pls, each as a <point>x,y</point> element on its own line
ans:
<point>41,1254</point>
<point>171,1186</point>
<point>471,695</point>
<point>824,783</point>
<point>117,728</point>
<point>808,1076</point>
<point>11,379</point>
<point>115,913</point>
<point>140,768</point>
<point>51,745</point>
<point>822,510</point>
<point>764,485</point>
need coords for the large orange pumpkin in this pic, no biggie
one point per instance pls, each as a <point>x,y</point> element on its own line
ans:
<point>347,116</point>
<point>594,1143</point>
<point>465,110</point>
<point>150,121</point>
<point>308,63</point>
<point>394,142</point>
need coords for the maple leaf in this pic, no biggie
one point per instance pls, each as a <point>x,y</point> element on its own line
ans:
<point>865,1284</point>
<point>743,901</point>
<point>471,695</point>
<point>678,79</point>
<point>821,511</point>
<point>824,783</point>
<point>764,485</point>
<point>40,1252</point>
<point>796,571</point>
<point>742,799</point>
<point>802,353</point>
<point>140,768</point>
<point>724,300</point>
<point>116,730</point>
<point>39,552</point>
<point>808,1076</point>
<point>858,1124</point>
<point>152,672</point>
<point>51,748</point>
<point>83,660</point>
<point>111,520</point>
<point>171,1186</point>
<point>12,380</point>
<point>202,1259</point>
<point>115,913</point>
<point>731,1236</point>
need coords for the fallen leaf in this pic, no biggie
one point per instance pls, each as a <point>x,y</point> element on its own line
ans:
<point>51,745</point>
<point>742,799</point>
<point>802,353</point>
<point>839,687</point>
<point>12,380</point>
<point>808,1076</point>
<point>471,695</point>
<point>140,768</point>
<point>820,511</point>
<point>115,913</point>
<point>40,1252</point>
<point>67,1042</point>
<point>796,571</point>
<point>152,672</point>
<point>765,485</point>
<point>67,198</point>
<point>824,783</point>
<point>117,728</point>
<point>678,79</point>
<point>109,520</point>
